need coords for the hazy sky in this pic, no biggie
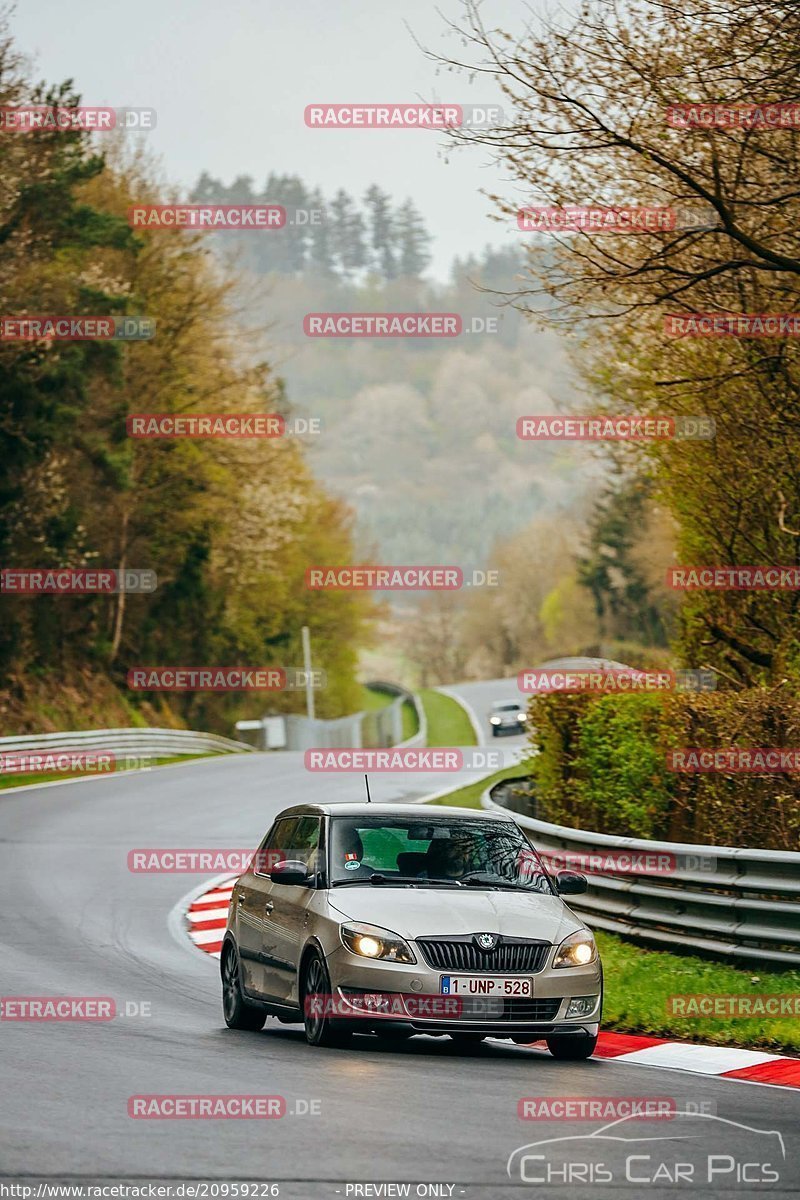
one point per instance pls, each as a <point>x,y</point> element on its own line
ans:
<point>230,82</point>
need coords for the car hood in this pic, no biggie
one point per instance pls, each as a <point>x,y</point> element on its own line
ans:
<point>428,912</point>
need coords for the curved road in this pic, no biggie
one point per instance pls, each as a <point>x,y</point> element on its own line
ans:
<point>76,922</point>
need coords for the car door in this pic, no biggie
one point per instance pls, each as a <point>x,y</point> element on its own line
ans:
<point>254,931</point>
<point>288,917</point>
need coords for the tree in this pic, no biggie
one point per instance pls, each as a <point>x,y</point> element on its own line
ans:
<point>414,242</point>
<point>348,234</point>
<point>587,121</point>
<point>382,232</point>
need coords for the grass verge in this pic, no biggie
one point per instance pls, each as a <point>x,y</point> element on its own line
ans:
<point>448,723</point>
<point>639,983</point>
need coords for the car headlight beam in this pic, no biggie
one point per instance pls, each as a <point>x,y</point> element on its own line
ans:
<point>370,941</point>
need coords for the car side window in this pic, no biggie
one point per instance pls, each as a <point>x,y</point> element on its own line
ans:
<point>306,842</point>
<point>279,839</point>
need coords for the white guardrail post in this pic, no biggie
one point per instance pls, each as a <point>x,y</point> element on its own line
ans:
<point>741,903</point>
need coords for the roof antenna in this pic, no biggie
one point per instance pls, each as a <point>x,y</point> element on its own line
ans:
<point>366,781</point>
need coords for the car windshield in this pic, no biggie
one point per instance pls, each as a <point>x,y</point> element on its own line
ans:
<point>506,708</point>
<point>410,852</point>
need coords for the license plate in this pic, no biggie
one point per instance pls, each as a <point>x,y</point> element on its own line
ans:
<point>485,985</point>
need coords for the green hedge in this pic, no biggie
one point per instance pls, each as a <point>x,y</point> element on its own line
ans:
<point>602,765</point>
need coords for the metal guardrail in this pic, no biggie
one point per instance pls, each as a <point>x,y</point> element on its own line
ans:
<point>740,903</point>
<point>378,727</point>
<point>159,743</point>
<point>390,719</point>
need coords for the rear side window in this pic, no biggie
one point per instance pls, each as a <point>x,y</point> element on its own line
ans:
<point>306,842</point>
<point>279,838</point>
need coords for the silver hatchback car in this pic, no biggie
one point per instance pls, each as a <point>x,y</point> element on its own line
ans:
<point>395,920</point>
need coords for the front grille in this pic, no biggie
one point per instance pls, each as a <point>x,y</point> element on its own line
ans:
<point>511,955</point>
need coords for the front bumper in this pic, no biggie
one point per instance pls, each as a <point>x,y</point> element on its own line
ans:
<point>409,996</point>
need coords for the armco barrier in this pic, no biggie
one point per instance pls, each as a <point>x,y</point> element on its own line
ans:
<point>390,719</point>
<point>150,742</point>
<point>379,727</point>
<point>745,906</point>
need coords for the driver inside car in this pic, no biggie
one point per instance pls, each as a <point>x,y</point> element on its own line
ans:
<point>449,858</point>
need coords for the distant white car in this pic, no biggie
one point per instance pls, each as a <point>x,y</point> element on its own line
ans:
<point>506,716</point>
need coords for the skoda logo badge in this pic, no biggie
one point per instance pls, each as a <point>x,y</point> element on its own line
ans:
<point>486,941</point>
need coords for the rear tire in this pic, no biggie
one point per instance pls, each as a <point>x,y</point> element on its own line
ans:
<point>237,1012</point>
<point>320,1029</point>
<point>572,1047</point>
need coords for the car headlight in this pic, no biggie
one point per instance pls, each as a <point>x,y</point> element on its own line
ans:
<point>578,950</point>
<point>370,941</point>
<point>494,720</point>
<point>522,716</point>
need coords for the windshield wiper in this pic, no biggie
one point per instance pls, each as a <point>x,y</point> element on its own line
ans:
<point>379,878</point>
<point>506,884</point>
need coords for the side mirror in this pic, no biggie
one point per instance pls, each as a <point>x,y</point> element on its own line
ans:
<point>571,883</point>
<point>290,872</point>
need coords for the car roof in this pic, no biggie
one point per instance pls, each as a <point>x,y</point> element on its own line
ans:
<point>505,703</point>
<point>376,809</point>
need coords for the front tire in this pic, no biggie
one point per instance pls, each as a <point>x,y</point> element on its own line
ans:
<point>237,1012</point>
<point>572,1047</point>
<point>320,1029</point>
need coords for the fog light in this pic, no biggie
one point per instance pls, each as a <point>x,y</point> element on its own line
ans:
<point>581,1006</point>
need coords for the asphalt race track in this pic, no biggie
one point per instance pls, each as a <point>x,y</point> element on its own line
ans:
<point>77,922</point>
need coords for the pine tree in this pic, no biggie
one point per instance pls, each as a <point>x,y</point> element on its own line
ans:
<point>414,241</point>
<point>382,232</point>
